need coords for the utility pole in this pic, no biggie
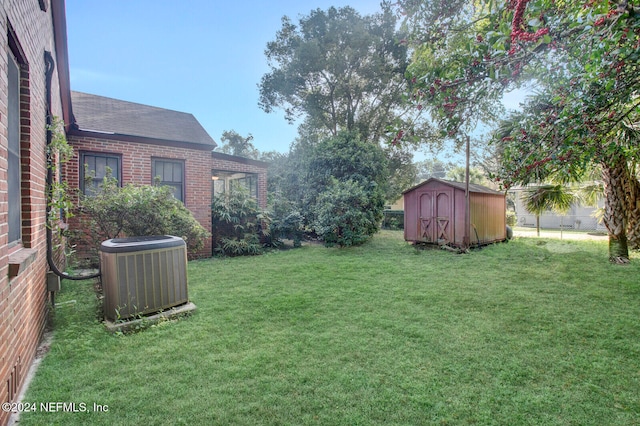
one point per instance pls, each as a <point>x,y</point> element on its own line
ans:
<point>466,239</point>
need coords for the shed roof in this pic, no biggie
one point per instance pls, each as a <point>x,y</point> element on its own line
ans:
<point>99,114</point>
<point>473,187</point>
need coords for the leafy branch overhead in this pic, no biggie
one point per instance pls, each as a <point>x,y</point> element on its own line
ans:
<point>582,56</point>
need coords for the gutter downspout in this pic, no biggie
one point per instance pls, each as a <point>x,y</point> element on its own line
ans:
<point>49,68</point>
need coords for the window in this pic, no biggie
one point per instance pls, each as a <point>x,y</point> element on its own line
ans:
<point>93,169</point>
<point>225,181</point>
<point>249,183</point>
<point>170,173</point>
<point>13,133</point>
<point>218,186</point>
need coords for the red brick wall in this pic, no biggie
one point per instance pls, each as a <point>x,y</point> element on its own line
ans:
<point>136,163</point>
<point>23,298</point>
<point>245,167</point>
<point>136,167</point>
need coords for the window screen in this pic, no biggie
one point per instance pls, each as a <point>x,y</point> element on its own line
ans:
<point>170,173</point>
<point>94,168</point>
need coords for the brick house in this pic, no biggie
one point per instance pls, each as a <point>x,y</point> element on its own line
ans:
<point>33,74</point>
<point>140,143</point>
<point>136,141</point>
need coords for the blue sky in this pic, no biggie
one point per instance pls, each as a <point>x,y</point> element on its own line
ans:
<point>205,57</point>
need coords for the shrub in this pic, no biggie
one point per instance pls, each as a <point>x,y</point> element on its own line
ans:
<point>286,222</point>
<point>343,157</point>
<point>347,214</point>
<point>393,219</point>
<point>512,219</point>
<point>138,211</point>
<point>239,227</point>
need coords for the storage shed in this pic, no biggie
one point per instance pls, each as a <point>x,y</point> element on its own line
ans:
<point>434,213</point>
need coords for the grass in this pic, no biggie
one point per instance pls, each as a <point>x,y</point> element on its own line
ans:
<point>531,332</point>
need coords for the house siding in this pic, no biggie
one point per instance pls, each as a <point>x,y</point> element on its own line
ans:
<point>136,168</point>
<point>244,167</point>
<point>24,297</point>
<point>577,217</point>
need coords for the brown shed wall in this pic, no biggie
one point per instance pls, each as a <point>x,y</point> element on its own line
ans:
<point>488,214</point>
<point>434,213</point>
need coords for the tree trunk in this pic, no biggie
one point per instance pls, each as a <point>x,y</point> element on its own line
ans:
<point>632,196</point>
<point>614,176</point>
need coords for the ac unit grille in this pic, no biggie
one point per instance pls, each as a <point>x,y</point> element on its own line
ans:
<point>143,281</point>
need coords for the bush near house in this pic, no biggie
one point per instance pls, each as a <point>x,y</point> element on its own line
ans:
<point>286,221</point>
<point>137,211</point>
<point>239,227</point>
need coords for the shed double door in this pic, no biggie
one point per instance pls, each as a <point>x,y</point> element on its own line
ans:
<point>435,216</point>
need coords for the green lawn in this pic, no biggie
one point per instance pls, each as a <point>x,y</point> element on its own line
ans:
<point>528,332</point>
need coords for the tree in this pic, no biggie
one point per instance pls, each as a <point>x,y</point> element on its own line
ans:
<point>345,157</point>
<point>548,197</point>
<point>583,55</point>
<point>458,174</point>
<point>290,170</point>
<point>432,168</point>
<point>238,145</point>
<point>402,172</point>
<point>535,153</point>
<point>346,214</point>
<point>277,168</point>
<point>339,70</point>
<point>301,177</point>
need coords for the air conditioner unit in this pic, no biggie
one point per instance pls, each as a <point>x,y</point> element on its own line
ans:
<point>143,275</point>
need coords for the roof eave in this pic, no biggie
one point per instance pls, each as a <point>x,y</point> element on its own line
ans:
<point>486,190</point>
<point>62,59</point>
<point>74,131</point>
<point>237,159</point>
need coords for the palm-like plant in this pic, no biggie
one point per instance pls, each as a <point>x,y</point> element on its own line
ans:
<point>630,135</point>
<point>615,161</point>
<point>554,197</point>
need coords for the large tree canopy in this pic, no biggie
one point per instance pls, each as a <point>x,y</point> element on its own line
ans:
<point>236,144</point>
<point>337,185</point>
<point>584,56</point>
<point>338,70</point>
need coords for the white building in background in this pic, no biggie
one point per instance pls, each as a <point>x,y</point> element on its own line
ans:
<point>579,218</point>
